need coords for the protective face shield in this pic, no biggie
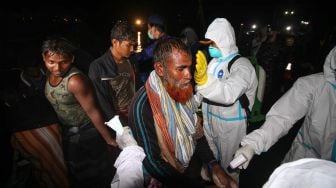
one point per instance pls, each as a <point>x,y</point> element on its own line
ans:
<point>150,35</point>
<point>215,52</point>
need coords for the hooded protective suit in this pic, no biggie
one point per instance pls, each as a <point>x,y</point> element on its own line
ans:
<point>314,97</point>
<point>307,173</point>
<point>225,127</point>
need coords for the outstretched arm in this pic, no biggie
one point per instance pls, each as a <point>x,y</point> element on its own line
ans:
<point>80,87</point>
<point>228,90</point>
<point>291,107</point>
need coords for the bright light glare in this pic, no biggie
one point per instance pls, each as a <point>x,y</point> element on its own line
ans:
<point>304,22</point>
<point>139,47</point>
<point>138,22</point>
<point>289,66</point>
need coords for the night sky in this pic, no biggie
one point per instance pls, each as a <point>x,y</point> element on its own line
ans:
<point>99,14</point>
<point>88,23</point>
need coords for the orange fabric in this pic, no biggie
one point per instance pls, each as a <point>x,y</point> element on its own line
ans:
<point>43,147</point>
<point>159,118</point>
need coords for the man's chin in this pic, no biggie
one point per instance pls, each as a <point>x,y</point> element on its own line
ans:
<point>127,56</point>
<point>181,95</point>
<point>58,74</point>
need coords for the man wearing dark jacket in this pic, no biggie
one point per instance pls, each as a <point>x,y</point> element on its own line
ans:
<point>156,32</point>
<point>113,73</point>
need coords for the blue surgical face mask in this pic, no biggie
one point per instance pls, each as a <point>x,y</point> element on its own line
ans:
<point>150,35</point>
<point>215,52</point>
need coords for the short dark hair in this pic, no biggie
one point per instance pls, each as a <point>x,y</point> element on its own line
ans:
<point>165,47</point>
<point>158,22</point>
<point>58,45</point>
<point>122,31</point>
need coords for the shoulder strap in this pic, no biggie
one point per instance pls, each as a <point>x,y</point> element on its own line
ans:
<point>216,103</point>
<point>245,103</point>
<point>242,99</point>
<point>232,61</point>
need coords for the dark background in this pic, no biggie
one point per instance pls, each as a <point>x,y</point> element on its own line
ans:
<point>25,24</point>
<point>88,23</point>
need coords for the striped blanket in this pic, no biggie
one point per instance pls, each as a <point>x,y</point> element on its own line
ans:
<point>42,147</point>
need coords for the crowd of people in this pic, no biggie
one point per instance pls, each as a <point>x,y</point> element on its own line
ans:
<point>184,104</point>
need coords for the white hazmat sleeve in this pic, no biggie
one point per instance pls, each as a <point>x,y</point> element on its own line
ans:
<point>129,168</point>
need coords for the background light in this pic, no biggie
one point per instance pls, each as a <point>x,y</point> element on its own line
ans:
<point>138,22</point>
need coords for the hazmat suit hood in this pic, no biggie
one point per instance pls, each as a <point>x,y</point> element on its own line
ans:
<point>221,32</point>
<point>329,67</point>
<point>307,172</point>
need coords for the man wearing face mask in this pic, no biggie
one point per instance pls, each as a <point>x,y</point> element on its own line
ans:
<point>225,119</point>
<point>156,32</point>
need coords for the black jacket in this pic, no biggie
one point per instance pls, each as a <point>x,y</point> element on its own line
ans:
<point>103,67</point>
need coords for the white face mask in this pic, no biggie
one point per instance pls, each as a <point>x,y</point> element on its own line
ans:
<point>150,35</point>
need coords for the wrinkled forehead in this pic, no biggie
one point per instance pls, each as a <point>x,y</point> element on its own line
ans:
<point>178,57</point>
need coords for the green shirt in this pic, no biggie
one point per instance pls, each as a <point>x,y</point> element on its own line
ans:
<point>69,111</point>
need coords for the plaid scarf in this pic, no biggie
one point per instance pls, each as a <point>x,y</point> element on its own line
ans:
<point>175,122</point>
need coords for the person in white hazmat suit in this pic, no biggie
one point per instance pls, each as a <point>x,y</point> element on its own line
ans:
<point>129,172</point>
<point>312,96</point>
<point>224,123</point>
<point>307,173</point>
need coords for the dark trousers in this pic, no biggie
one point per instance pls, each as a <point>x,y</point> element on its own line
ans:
<point>87,157</point>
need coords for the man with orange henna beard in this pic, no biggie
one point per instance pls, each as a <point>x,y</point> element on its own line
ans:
<point>177,93</point>
<point>163,120</point>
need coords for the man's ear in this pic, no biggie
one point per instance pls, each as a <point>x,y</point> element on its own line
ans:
<point>114,42</point>
<point>158,67</point>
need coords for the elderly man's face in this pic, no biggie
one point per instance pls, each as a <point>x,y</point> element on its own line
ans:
<point>177,76</point>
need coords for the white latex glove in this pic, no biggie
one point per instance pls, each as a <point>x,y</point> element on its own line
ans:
<point>126,138</point>
<point>247,151</point>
